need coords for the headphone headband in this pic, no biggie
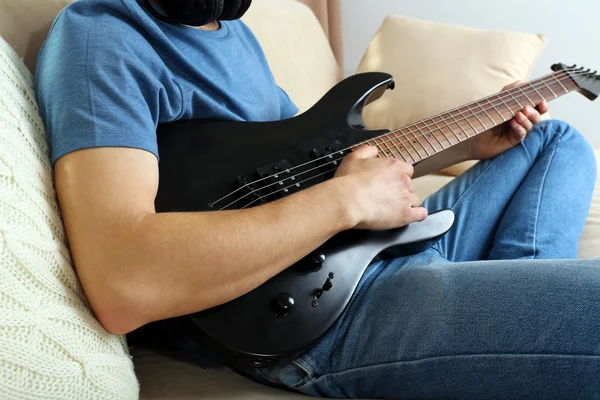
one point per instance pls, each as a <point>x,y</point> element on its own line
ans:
<point>197,12</point>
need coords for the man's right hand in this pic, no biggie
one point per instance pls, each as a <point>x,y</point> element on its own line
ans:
<point>380,192</point>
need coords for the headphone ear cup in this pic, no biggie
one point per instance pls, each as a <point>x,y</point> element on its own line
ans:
<point>235,9</point>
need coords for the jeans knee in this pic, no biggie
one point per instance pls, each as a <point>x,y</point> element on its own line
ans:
<point>553,129</point>
<point>571,139</point>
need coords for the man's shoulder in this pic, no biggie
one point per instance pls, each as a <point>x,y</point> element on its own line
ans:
<point>98,32</point>
<point>105,22</point>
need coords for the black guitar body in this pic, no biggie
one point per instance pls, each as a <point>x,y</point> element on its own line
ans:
<point>223,165</point>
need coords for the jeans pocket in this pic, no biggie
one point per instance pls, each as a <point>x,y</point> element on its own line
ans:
<point>293,374</point>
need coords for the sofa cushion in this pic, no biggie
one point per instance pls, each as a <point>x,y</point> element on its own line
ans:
<point>439,66</point>
<point>589,244</point>
<point>297,48</point>
<point>24,24</point>
<point>51,345</point>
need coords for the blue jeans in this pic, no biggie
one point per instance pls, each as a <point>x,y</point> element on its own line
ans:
<point>493,310</point>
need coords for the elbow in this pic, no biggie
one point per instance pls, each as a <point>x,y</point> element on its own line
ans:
<point>114,303</point>
<point>117,322</point>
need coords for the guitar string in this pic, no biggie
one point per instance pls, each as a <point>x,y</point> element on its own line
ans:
<point>564,76</point>
<point>542,82</point>
<point>286,189</point>
<point>280,182</point>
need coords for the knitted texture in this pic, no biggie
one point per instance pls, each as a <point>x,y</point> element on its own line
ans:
<point>51,346</point>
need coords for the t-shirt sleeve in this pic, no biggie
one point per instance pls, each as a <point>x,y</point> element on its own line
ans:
<point>96,89</point>
<point>288,108</point>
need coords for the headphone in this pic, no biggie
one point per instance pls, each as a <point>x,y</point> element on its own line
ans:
<point>199,12</point>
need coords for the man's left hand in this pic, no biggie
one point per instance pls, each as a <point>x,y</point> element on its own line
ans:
<point>504,137</point>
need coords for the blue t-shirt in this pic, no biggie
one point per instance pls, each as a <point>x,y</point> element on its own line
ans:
<point>109,73</point>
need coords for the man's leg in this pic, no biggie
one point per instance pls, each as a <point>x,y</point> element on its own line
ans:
<point>530,202</point>
<point>429,329</point>
<point>422,327</point>
<point>547,214</point>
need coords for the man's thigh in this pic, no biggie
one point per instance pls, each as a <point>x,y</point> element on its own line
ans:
<point>426,328</point>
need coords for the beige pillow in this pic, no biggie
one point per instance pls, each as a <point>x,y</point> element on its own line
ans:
<point>438,67</point>
<point>296,47</point>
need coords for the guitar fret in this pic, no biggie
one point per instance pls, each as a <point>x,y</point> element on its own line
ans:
<point>450,129</point>
<point>441,130</point>
<point>549,88</point>
<point>528,98</point>
<point>509,92</point>
<point>389,143</point>
<point>478,119</point>
<point>495,109</point>
<point>382,143</point>
<point>413,146</point>
<point>506,105</point>
<point>486,113</point>
<point>419,141</point>
<point>460,126</point>
<point>404,146</point>
<point>396,146</point>
<point>469,122</point>
<point>560,83</point>
<point>538,93</point>
<point>380,151</point>
<point>385,143</point>
<point>426,137</point>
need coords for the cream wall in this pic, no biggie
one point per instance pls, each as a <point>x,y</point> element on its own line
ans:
<point>572,28</point>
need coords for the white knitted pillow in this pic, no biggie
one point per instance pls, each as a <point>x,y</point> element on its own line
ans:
<point>51,346</point>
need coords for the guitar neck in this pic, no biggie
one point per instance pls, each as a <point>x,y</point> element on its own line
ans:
<point>425,138</point>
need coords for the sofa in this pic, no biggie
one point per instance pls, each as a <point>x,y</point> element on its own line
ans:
<point>51,346</point>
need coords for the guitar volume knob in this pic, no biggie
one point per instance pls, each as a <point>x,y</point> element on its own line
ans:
<point>282,305</point>
<point>316,261</point>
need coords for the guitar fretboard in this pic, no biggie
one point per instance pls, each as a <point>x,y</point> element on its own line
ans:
<point>428,137</point>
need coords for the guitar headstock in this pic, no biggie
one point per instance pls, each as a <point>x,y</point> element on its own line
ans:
<point>588,81</point>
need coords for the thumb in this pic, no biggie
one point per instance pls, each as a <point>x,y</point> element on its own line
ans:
<point>512,85</point>
<point>365,151</point>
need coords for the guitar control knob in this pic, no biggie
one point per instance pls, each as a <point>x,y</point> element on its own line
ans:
<point>283,304</point>
<point>316,261</point>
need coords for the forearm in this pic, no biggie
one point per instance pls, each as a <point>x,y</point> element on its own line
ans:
<point>173,264</point>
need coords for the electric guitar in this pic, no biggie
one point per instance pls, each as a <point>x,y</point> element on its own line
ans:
<point>220,165</point>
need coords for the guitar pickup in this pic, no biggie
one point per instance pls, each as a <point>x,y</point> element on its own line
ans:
<point>278,180</point>
<point>330,157</point>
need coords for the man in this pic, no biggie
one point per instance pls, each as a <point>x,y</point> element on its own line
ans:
<point>472,317</point>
